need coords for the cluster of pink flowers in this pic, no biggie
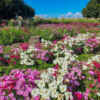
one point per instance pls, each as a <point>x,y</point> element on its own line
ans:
<point>92,42</point>
<point>76,26</point>
<point>19,83</point>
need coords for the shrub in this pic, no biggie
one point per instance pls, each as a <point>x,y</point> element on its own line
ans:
<point>12,35</point>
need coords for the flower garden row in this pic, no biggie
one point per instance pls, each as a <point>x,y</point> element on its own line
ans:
<point>65,69</point>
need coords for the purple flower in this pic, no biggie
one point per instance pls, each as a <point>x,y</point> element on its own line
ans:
<point>1,49</point>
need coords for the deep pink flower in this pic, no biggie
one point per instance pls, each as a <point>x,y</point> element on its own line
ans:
<point>37,98</point>
<point>78,95</point>
<point>96,64</point>
<point>56,67</point>
<point>11,95</point>
<point>14,56</point>
<point>92,42</point>
<point>55,41</point>
<point>24,46</point>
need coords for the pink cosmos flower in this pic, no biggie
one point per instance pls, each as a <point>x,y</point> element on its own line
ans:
<point>92,42</point>
<point>55,41</point>
<point>56,67</point>
<point>37,98</point>
<point>24,46</point>
<point>41,54</point>
<point>38,45</point>
<point>91,72</point>
<point>86,94</point>
<point>21,81</point>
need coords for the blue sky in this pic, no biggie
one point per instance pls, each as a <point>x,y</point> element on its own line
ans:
<point>57,8</point>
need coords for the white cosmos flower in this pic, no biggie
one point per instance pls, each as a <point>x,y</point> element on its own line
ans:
<point>62,88</point>
<point>68,95</point>
<point>51,77</point>
<point>63,71</point>
<point>98,94</point>
<point>55,61</point>
<point>36,81</point>
<point>84,67</point>
<point>53,85</point>
<point>70,44</point>
<point>30,49</point>
<point>54,93</point>
<point>50,70</point>
<point>35,92</point>
<point>60,97</point>
<point>65,65</point>
<point>45,93</point>
<point>29,63</point>
<point>41,84</point>
<point>59,79</point>
<point>21,62</point>
<point>31,55</point>
<point>45,76</point>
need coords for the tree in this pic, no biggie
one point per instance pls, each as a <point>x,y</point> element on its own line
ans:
<point>12,8</point>
<point>92,9</point>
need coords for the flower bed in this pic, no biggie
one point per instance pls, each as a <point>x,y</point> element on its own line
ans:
<point>66,69</point>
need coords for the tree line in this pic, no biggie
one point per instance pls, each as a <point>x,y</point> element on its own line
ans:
<point>13,8</point>
<point>92,9</point>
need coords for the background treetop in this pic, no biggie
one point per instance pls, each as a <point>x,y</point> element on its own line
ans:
<point>12,8</point>
<point>92,9</point>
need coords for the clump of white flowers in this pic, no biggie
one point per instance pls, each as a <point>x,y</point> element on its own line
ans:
<point>50,85</point>
<point>27,56</point>
<point>94,58</point>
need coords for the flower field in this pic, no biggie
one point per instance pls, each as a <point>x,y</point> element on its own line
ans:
<point>51,66</point>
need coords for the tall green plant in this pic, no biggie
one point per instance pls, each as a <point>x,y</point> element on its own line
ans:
<point>12,35</point>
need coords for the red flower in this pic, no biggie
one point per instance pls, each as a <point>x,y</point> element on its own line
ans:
<point>78,95</point>
<point>91,85</point>
<point>10,87</point>
<point>14,56</point>
<point>56,67</point>
<point>96,64</point>
<point>99,79</point>
<point>55,74</point>
<point>98,75</point>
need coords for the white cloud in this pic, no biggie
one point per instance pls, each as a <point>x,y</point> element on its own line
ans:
<point>72,15</point>
<point>77,15</point>
<point>68,15</point>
